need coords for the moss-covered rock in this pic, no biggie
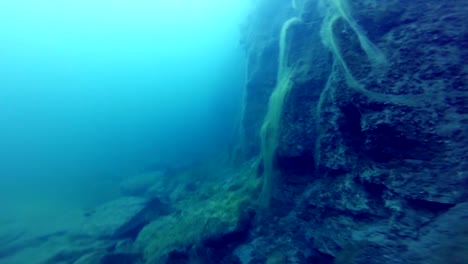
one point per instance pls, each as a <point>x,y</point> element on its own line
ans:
<point>207,222</point>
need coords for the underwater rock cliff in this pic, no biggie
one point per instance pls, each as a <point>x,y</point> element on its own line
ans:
<point>363,146</point>
<point>353,149</point>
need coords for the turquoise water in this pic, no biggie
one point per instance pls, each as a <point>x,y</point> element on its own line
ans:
<point>92,91</point>
<point>233,131</point>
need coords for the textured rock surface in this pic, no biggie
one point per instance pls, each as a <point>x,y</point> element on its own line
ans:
<point>371,156</point>
<point>207,225</point>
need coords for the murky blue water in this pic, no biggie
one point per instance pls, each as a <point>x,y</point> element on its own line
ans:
<point>92,91</point>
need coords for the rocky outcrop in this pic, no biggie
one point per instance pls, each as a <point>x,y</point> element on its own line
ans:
<point>202,219</point>
<point>365,135</point>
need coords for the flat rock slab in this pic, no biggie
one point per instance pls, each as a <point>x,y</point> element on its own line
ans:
<point>121,218</point>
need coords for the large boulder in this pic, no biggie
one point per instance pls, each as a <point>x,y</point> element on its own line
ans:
<point>206,227</point>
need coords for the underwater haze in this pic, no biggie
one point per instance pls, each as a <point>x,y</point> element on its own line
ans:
<point>233,132</point>
<point>91,91</point>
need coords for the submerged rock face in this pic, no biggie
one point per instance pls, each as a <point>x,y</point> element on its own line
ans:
<point>262,43</point>
<point>365,135</point>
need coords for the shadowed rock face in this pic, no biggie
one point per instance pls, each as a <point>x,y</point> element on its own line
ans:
<point>372,138</point>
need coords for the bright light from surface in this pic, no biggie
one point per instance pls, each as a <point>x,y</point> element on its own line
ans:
<point>95,83</point>
<point>115,25</point>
